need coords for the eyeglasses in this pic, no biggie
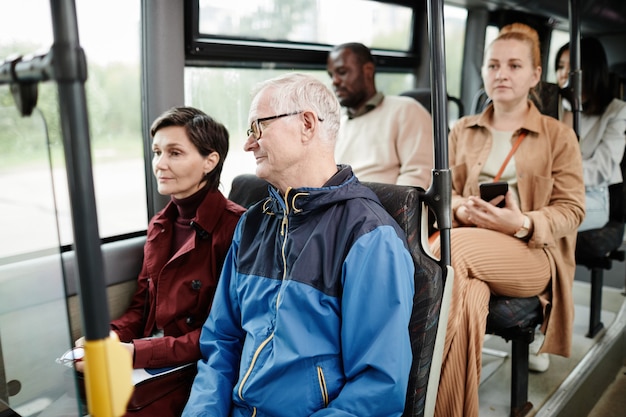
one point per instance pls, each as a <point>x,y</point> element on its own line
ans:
<point>255,127</point>
<point>73,355</point>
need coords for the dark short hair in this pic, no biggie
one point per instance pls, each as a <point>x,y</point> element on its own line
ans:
<point>362,52</point>
<point>206,134</point>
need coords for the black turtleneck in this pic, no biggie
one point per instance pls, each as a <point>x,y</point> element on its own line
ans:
<point>187,208</point>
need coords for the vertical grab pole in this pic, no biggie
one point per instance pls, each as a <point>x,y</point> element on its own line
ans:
<point>69,67</point>
<point>440,191</point>
<point>107,364</point>
<point>575,75</point>
<point>439,195</point>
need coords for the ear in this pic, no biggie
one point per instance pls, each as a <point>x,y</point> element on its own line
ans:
<point>309,126</point>
<point>211,161</point>
<point>536,76</point>
<point>369,69</point>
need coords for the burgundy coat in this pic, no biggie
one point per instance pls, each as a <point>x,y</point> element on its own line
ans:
<point>174,293</point>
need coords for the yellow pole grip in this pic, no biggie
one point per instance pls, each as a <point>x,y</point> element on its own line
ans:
<point>108,377</point>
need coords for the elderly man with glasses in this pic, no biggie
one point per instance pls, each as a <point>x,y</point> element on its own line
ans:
<point>317,288</point>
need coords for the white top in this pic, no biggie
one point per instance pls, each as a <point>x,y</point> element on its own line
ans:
<point>501,146</point>
<point>602,140</point>
<point>391,144</point>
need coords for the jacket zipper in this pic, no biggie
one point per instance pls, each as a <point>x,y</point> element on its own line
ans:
<point>323,389</point>
<point>283,233</point>
<point>284,229</point>
<point>254,358</point>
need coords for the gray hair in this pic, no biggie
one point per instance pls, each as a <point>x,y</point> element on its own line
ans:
<point>297,91</point>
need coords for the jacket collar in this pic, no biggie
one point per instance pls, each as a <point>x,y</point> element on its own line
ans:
<point>207,216</point>
<point>370,105</point>
<point>306,199</point>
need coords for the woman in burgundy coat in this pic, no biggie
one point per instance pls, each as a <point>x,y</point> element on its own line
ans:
<point>184,251</point>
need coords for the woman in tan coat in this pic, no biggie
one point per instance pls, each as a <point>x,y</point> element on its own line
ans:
<point>525,248</point>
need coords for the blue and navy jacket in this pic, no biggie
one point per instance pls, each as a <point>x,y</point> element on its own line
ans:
<point>311,313</point>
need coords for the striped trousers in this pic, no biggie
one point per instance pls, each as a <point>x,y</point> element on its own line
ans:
<point>485,262</point>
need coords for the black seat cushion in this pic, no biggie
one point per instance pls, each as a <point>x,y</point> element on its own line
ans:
<point>508,315</point>
<point>598,243</point>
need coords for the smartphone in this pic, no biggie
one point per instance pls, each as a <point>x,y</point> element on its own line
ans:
<point>490,190</point>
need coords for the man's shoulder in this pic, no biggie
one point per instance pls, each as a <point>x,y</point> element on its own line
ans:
<point>404,104</point>
<point>402,101</point>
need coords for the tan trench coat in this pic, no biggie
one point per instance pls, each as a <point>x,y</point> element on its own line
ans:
<point>552,193</point>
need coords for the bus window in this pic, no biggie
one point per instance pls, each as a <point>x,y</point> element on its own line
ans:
<point>224,93</point>
<point>33,310</point>
<point>313,22</point>
<point>491,33</point>
<point>455,19</point>
<point>298,25</point>
<point>558,39</point>
<point>113,96</point>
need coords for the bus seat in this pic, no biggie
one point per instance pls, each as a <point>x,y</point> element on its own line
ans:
<point>597,249</point>
<point>515,320</point>
<point>405,204</point>
<point>423,96</point>
<point>248,189</point>
<point>549,99</point>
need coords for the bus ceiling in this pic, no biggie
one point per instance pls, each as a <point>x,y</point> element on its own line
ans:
<point>598,17</point>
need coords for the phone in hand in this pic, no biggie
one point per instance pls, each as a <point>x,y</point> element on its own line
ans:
<point>490,190</point>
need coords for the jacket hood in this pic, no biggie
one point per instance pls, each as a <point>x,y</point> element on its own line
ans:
<point>308,199</point>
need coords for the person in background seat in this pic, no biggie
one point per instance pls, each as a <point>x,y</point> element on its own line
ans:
<point>312,309</point>
<point>602,128</point>
<point>525,248</point>
<point>386,139</point>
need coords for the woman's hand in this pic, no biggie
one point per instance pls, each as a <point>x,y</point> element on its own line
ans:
<point>477,212</point>
<point>80,365</point>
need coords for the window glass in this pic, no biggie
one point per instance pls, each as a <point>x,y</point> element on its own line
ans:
<point>558,39</point>
<point>455,20</point>
<point>491,33</point>
<point>203,87</point>
<point>32,297</point>
<point>113,99</point>
<point>454,34</point>
<point>306,21</point>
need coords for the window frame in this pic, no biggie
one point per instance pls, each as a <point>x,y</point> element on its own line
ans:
<point>216,51</point>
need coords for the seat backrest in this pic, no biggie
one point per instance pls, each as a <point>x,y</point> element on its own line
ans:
<point>405,205</point>
<point>248,189</point>
<point>423,96</point>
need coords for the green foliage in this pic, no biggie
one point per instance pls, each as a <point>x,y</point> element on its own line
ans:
<point>113,104</point>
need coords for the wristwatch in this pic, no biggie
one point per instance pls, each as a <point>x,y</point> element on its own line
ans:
<point>523,231</point>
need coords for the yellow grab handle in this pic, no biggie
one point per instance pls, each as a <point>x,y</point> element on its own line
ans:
<point>108,377</point>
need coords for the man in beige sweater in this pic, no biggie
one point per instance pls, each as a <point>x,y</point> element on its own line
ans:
<point>385,139</point>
